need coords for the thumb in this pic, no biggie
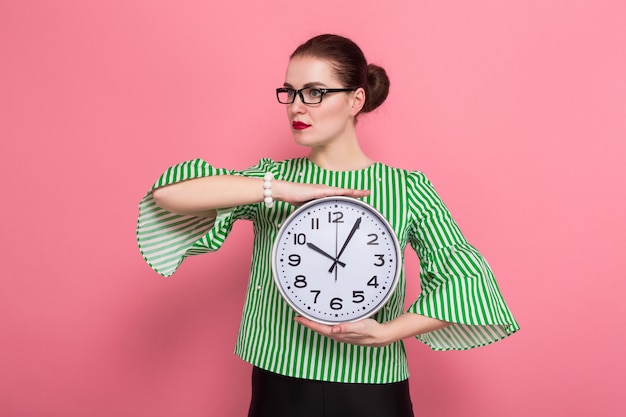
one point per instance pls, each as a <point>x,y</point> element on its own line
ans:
<point>337,329</point>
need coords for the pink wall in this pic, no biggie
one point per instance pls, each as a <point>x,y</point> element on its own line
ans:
<point>515,110</point>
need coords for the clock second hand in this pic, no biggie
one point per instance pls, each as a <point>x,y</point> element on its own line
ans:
<point>357,224</point>
<point>321,251</point>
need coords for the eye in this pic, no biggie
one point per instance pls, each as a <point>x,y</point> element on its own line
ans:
<point>315,92</point>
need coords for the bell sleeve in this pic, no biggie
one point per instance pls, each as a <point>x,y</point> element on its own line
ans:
<point>457,284</point>
<point>165,239</point>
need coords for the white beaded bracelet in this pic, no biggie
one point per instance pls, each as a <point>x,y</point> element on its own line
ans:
<point>267,189</point>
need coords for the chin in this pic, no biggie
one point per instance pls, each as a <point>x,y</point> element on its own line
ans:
<point>304,140</point>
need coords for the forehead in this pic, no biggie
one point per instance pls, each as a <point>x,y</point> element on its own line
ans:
<point>307,70</point>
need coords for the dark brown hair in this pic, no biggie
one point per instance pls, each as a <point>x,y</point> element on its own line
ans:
<point>350,66</point>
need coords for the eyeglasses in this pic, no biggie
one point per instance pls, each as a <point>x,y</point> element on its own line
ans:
<point>308,95</point>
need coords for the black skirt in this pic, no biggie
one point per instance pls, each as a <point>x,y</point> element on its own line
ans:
<point>276,395</point>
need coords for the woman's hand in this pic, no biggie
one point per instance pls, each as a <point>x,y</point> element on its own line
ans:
<point>366,332</point>
<point>298,194</point>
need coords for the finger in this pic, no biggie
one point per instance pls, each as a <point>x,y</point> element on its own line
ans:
<point>317,327</point>
<point>352,191</point>
<point>348,192</point>
<point>347,329</point>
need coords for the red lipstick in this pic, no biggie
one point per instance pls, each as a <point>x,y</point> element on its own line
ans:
<point>299,125</point>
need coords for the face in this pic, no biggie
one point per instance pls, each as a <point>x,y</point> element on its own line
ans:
<point>331,120</point>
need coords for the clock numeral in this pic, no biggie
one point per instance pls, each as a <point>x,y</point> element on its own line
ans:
<point>373,282</point>
<point>300,281</point>
<point>317,294</point>
<point>294,260</point>
<point>335,217</point>
<point>299,239</point>
<point>358,297</point>
<point>315,223</point>
<point>335,303</point>
<point>374,240</point>
<point>381,259</point>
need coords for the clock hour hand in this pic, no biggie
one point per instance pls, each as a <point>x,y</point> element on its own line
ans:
<point>357,224</point>
<point>321,251</point>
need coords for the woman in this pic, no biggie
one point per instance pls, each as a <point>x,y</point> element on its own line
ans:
<point>302,368</point>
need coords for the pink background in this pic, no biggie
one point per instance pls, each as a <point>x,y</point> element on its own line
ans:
<point>515,110</point>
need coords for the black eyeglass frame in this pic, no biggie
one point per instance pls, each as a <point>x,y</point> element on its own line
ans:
<point>323,92</point>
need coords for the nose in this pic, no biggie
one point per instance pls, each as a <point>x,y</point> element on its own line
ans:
<point>297,107</point>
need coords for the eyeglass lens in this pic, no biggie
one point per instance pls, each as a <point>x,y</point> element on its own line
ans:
<point>309,94</point>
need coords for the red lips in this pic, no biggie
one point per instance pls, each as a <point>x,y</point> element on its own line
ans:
<point>299,125</point>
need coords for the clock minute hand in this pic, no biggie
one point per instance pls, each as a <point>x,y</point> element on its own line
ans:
<point>357,224</point>
<point>321,251</point>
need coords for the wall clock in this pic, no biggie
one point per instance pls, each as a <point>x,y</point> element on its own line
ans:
<point>336,259</point>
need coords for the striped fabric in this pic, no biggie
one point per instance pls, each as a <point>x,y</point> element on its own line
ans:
<point>457,284</point>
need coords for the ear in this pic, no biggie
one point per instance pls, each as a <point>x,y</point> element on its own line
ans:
<point>358,101</point>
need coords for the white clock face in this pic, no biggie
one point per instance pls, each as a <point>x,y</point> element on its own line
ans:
<point>336,259</point>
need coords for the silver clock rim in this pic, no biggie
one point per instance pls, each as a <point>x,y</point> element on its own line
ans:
<point>366,206</point>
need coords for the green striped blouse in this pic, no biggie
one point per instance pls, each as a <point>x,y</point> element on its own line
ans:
<point>457,285</point>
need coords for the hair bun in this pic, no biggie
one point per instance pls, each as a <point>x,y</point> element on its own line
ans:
<point>377,87</point>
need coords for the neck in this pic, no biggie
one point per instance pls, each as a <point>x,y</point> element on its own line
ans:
<point>340,156</point>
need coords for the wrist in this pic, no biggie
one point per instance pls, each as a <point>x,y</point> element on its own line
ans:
<point>386,334</point>
<point>277,190</point>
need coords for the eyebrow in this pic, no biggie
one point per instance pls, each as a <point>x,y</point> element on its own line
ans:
<point>313,84</point>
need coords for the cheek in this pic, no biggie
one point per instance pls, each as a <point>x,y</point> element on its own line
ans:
<point>336,113</point>
<point>338,117</point>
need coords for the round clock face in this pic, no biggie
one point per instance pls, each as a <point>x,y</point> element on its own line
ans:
<point>336,259</point>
